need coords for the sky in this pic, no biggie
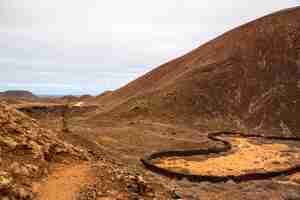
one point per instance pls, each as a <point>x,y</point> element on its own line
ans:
<point>79,47</point>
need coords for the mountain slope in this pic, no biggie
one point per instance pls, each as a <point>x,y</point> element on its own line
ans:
<point>249,76</point>
<point>18,94</point>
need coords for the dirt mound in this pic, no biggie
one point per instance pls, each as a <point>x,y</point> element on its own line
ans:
<point>248,78</point>
<point>86,97</point>
<point>26,151</point>
<point>69,98</point>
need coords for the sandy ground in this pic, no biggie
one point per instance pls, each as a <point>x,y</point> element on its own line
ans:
<point>64,183</point>
<point>246,157</point>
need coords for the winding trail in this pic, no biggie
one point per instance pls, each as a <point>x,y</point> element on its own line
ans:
<point>226,147</point>
<point>64,183</point>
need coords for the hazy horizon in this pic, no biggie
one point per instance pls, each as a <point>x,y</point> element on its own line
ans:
<point>87,47</point>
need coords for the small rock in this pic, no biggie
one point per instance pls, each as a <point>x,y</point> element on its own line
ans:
<point>100,194</point>
<point>24,194</point>
<point>17,169</point>
<point>119,177</point>
<point>32,168</point>
<point>5,180</point>
<point>9,142</point>
<point>175,195</point>
<point>230,182</point>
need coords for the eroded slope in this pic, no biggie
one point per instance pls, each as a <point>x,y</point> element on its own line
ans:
<point>248,76</point>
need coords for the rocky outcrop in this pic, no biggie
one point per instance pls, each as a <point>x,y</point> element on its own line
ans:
<point>26,151</point>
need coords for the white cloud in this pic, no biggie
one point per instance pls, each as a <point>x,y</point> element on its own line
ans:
<point>116,38</point>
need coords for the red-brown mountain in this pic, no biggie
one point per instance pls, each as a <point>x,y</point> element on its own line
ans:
<point>248,77</point>
<point>18,94</point>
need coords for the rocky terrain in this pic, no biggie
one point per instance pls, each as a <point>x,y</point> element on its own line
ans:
<point>27,151</point>
<point>37,164</point>
<point>90,148</point>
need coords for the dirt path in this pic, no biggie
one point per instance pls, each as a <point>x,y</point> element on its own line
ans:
<point>64,183</point>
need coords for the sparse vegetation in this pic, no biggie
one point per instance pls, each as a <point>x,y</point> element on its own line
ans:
<point>90,147</point>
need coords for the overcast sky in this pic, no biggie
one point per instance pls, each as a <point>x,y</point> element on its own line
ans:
<point>88,46</point>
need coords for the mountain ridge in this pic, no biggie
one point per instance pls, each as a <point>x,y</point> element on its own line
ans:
<point>248,76</point>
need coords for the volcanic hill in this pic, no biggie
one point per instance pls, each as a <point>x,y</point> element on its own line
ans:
<point>18,94</point>
<point>248,78</point>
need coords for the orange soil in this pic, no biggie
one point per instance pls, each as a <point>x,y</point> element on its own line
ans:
<point>247,157</point>
<point>64,183</point>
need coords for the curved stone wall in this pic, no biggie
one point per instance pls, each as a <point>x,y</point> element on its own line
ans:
<point>147,160</point>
